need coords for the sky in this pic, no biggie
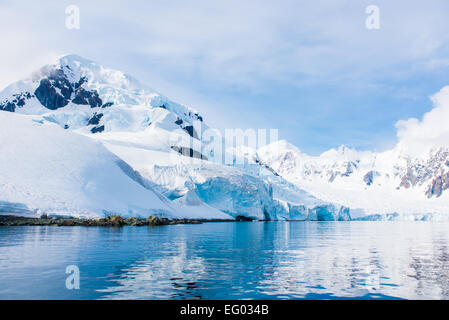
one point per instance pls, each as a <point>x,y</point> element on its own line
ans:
<point>308,68</point>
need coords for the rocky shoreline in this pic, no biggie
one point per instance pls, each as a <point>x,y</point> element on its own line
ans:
<point>112,221</point>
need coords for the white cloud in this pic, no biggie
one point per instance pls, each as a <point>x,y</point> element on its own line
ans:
<point>418,136</point>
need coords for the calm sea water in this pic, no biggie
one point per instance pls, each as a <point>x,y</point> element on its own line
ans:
<point>248,260</point>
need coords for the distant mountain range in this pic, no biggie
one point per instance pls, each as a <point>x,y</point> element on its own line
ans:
<point>393,181</point>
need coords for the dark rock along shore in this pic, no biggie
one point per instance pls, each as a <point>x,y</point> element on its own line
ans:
<point>111,221</point>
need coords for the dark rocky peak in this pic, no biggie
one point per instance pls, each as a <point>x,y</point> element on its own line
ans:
<point>59,80</point>
<point>48,96</point>
<point>55,90</point>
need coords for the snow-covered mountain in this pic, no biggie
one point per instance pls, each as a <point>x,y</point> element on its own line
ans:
<point>140,135</point>
<point>396,181</point>
<point>131,132</point>
<point>81,95</point>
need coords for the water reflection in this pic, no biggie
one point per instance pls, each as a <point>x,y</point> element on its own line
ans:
<point>285,260</point>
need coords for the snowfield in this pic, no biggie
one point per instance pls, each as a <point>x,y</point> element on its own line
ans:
<point>59,172</point>
<point>45,169</point>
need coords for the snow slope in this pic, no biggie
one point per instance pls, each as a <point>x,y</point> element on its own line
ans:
<point>47,169</point>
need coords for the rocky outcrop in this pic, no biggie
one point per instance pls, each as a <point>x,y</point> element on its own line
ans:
<point>18,101</point>
<point>188,128</point>
<point>259,162</point>
<point>8,106</point>
<point>349,167</point>
<point>188,152</point>
<point>194,115</point>
<point>438,185</point>
<point>155,221</point>
<point>107,105</point>
<point>55,91</point>
<point>85,97</point>
<point>430,172</point>
<point>97,129</point>
<point>191,131</point>
<point>408,180</point>
<point>109,221</point>
<point>368,178</point>
<point>95,119</point>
